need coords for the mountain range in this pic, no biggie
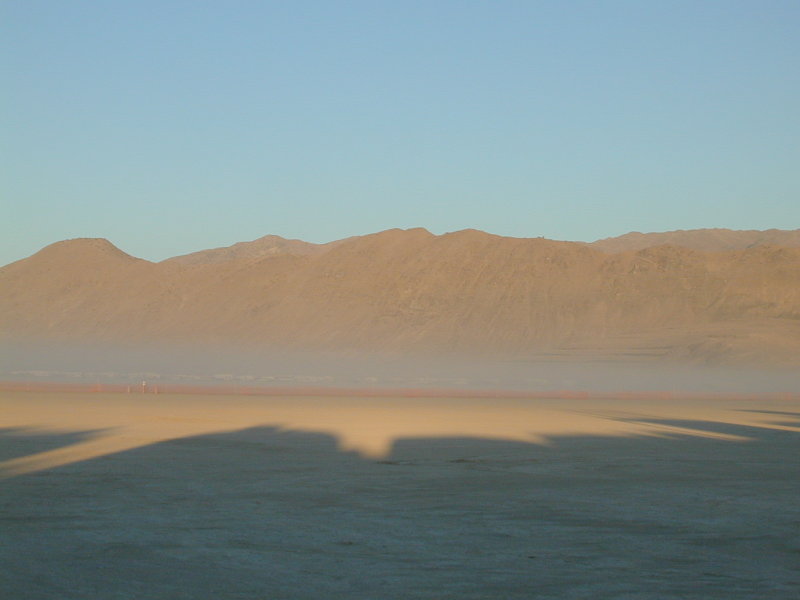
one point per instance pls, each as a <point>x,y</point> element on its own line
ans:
<point>709,296</point>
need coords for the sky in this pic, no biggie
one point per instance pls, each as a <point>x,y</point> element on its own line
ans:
<point>169,127</point>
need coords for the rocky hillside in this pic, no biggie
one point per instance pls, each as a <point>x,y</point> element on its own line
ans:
<point>409,291</point>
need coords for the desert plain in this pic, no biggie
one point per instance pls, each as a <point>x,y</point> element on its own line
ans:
<point>179,496</point>
<point>610,420</point>
<point>400,300</point>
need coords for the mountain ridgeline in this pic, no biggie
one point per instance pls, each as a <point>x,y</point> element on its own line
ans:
<point>412,292</point>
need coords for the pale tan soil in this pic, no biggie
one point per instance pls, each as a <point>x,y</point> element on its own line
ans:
<point>182,497</point>
<point>412,292</point>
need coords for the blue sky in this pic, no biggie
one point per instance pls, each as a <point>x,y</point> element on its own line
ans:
<point>169,127</point>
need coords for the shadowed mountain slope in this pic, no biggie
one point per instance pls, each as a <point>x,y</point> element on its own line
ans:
<point>403,291</point>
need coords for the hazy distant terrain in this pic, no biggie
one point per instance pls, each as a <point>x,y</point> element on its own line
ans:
<point>269,245</point>
<point>409,291</point>
<point>709,240</point>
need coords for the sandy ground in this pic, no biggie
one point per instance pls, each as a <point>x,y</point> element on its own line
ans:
<point>157,497</point>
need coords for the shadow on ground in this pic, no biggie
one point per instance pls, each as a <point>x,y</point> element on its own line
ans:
<point>18,442</point>
<point>270,513</point>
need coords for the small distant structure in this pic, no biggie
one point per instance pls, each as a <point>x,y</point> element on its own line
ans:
<point>144,387</point>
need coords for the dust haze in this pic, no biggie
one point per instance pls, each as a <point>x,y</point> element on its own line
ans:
<point>507,484</point>
<point>210,365</point>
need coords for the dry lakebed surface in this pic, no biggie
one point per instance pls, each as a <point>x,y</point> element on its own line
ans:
<point>117,496</point>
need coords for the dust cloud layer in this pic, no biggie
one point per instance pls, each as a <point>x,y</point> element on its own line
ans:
<point>204,365</point>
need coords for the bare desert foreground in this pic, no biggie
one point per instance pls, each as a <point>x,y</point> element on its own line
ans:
<point>172,497</point>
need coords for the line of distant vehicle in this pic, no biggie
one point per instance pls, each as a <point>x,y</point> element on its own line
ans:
<point>380,392</point>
